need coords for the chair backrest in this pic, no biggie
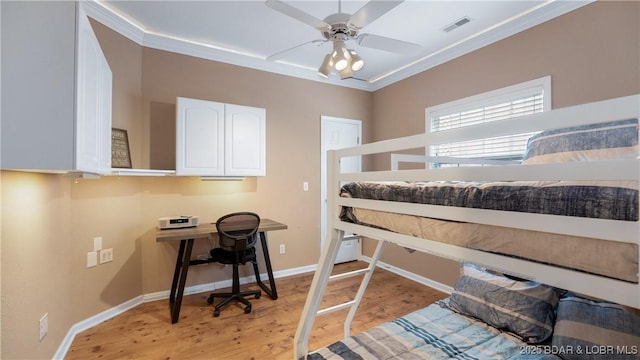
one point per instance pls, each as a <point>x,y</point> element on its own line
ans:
<point>238,231</point>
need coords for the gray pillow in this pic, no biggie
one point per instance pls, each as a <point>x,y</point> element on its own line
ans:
<point>525,308</point>
<point>610,140</point>
<point>594,329</point>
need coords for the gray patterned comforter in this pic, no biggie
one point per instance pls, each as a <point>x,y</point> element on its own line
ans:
<point>434,332</point>
<point>555,198</point>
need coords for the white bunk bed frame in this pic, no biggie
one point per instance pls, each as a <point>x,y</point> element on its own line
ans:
<point>609,289</point>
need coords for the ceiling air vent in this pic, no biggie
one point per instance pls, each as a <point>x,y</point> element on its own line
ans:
<point>457,24</point>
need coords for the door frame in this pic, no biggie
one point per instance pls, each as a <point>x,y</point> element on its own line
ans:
<point>323,168</point>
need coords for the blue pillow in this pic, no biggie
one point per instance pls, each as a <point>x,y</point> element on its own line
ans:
<point>525,308</point>
<point>595,329</point>
<point>610,140</point>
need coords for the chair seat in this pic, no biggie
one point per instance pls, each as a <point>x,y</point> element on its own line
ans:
<point>229,257</point>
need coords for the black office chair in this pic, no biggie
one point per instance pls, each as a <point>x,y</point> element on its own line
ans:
<point>238,234</point>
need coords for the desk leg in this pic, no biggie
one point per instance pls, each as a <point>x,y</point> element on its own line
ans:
<point>179,278</point>
<point>273,294</point>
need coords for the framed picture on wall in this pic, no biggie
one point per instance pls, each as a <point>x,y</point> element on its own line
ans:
<point>120,155</point>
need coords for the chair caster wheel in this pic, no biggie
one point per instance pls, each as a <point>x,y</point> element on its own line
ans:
<point>210,300</point>
<point>216,313</point>
<point>258,295</point>
<point>247,309</point>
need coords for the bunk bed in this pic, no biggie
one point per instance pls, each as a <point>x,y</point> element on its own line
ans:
<point>476,222</point>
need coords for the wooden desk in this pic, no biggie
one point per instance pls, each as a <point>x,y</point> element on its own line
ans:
<point>186,237</point>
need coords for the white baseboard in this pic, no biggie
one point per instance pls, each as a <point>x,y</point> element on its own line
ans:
<point>93,321</point>
<point>412,276</point>
<point>161,295</point>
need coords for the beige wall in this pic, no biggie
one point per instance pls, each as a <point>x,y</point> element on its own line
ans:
<point>49,221</point>
<point>36,262</point>
<point>592,54</point>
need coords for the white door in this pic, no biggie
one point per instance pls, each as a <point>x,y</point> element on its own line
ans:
<point>337,133</point>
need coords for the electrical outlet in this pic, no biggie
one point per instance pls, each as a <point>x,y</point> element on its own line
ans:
<point>282,249</point>
<point>106,255</point>
<point>305,186</point>
<point>44,325</point>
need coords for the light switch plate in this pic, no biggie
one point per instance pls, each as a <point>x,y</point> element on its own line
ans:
<point>97,243</point>
<point>92,259</point>
<point>43,324</point>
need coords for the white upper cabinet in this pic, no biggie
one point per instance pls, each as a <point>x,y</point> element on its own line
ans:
<point>216,139</point>
<point>56,90</point>
<point>245,141</point>
<point>199,137</point>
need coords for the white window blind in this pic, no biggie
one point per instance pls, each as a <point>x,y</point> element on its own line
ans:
<point>519,100</point>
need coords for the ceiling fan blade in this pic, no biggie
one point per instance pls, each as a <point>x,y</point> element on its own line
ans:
<point>284,53</point>
<point>371,11</point>
<point>296,13</point>
<point>387,44</point>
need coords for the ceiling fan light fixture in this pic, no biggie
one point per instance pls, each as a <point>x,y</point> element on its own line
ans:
<point>346,73</point>
<point>325,68</point>
<point>356,61</point>
<point>342,64</point>
<point>341,56</point>
<point>341,59</point>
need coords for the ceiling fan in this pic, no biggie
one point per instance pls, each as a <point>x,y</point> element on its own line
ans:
<point>339,28</point>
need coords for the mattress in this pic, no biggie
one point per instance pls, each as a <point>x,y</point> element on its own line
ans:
<point>612,200</point>
<point>434,332</point>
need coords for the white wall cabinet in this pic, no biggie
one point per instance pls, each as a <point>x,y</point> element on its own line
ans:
<point>216,139</point>
<point>245,141</point>
<point>56,90</point>
<point>199,137</point>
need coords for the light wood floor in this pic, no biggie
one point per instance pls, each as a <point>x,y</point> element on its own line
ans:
<point>146,332</point>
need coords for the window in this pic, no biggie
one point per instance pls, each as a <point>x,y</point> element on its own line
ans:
<point>522,99</point>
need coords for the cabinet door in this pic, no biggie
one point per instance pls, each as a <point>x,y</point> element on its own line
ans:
<point>105,116</point>
<point>199,137</point>
<point>93,104</point>
<point>245,146</point>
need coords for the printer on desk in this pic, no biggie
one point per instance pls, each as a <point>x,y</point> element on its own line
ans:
<point>177,222</point>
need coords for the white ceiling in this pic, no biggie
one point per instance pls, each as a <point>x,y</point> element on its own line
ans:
<point>245,33</point>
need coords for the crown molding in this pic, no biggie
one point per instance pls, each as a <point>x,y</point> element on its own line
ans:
<point>136,33</point>
<point>99,12</point>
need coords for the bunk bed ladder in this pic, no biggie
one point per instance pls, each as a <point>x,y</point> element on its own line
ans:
<point>318,287</point>
<point>363,286</point>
